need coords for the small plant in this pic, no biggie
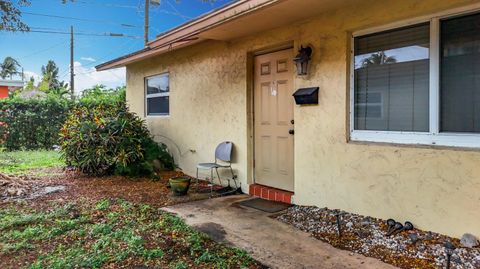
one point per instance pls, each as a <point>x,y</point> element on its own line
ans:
<point>180,265</point>
<point>103,204</point>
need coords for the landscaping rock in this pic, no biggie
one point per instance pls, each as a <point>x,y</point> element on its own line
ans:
<point>413,238</point>
<point>365,223</point>
<point>413,249</point>
<point>363,233</point>
<point>53,189</point>
<point>469,240</point>
<point>429,236</point>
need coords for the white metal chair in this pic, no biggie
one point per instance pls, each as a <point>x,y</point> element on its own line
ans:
<point>223,153</point>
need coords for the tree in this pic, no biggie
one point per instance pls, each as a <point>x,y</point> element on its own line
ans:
<point>378,59</point>
<point>50,75</point>
<point>9,67</point>
<point>10,15</point>
<point>30,84</point>
<point>61,91</point>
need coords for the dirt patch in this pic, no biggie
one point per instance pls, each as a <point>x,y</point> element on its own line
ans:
<point>74,185</point>
<point>368,236</point>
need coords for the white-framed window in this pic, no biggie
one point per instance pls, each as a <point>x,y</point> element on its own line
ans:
<point>369,105</point>
<point>418,83</point>
<point>157,95</point>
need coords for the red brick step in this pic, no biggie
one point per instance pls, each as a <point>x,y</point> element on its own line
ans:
<point>269,193</point>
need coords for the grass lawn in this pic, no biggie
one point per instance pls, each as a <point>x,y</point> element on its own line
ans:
<point>110,233</point>
<point>19,162</point>
<point>104,222</point>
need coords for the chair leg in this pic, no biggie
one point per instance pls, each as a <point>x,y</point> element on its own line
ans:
<point>211,182</point>
<point>197,177</point>
<point>218,175</point>
<point>234,177</point>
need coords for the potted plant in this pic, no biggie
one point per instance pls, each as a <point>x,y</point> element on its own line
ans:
<point>179,185</point>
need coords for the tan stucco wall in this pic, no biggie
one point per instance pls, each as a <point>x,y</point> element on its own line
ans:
<point>436,188</point>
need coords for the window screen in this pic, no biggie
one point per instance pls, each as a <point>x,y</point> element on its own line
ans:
<point>460,74</point>
<point>392,80</point>
<point>157,94</point>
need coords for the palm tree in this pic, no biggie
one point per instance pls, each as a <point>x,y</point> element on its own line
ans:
<point>60,91</point>
<point>50,74</point>
<point>9,68</point>
<point>378,59</point>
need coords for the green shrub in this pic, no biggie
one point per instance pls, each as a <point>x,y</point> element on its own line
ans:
<point>31,124</point>
<point>100,95</point>
<point>35,123</point>
<point>106,139</point>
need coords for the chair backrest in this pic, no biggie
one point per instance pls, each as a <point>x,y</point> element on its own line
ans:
<point>223,151</point>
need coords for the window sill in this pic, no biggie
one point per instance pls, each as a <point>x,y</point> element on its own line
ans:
<point>457,140</point>
<point>157,116</point>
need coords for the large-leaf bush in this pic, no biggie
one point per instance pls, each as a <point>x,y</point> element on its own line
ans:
<point>106,139</point>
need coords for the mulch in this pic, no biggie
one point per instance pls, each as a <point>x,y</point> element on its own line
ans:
<point>135,190</point>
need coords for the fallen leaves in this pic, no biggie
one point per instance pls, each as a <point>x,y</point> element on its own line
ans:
<point>16,186</point>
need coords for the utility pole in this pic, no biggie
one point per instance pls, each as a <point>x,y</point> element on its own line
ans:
<point>72,70</point>
<point>147,8</point>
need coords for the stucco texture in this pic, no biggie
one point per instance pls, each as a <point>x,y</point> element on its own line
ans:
<point>437,189</point>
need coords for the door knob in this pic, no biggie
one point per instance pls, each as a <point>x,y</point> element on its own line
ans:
<point>292,122</point>
<point>291,132</point>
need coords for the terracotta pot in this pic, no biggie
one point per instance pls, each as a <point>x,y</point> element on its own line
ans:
<point>179,185</point>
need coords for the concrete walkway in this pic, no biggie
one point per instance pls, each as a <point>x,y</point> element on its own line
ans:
<point>269,241</point>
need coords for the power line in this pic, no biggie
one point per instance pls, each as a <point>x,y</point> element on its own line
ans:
<point>55,29</point>
<point>176,11</point>
<point>84,34</point>
<point>80,19</point>
<point>107,5</point>
<point>123,48</point>
<point>43,50</point>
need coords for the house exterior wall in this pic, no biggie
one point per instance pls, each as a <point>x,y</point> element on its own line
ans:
<point>3,92</point>
<point>436,188</point>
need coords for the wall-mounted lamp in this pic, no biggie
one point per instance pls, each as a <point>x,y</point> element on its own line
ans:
<point>302,59</point>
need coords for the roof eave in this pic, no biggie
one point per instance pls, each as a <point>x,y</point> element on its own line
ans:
<point>187,34</point>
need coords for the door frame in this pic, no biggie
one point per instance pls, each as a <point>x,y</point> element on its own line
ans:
<point>251,104</point>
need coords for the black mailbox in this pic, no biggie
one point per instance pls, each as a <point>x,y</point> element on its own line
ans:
<point>306,96</point>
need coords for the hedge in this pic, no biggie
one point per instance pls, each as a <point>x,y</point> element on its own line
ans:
<point>29,124</point>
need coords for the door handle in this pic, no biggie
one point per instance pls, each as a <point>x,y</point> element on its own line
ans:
<point>292,132</point>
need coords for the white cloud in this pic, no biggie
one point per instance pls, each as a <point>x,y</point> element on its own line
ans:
<point>86,77</point>
<point>28,74</point>
<point>88,59</point>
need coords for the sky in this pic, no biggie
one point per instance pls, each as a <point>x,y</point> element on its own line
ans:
<point>88,17</point>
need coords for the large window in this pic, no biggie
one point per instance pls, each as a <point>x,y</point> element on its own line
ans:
<point>460,74</point>
<point>392,65</point>
<point>157,95</point>
<point>418,84</point>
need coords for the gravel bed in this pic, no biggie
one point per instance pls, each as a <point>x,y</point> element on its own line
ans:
<point>367,236</point>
